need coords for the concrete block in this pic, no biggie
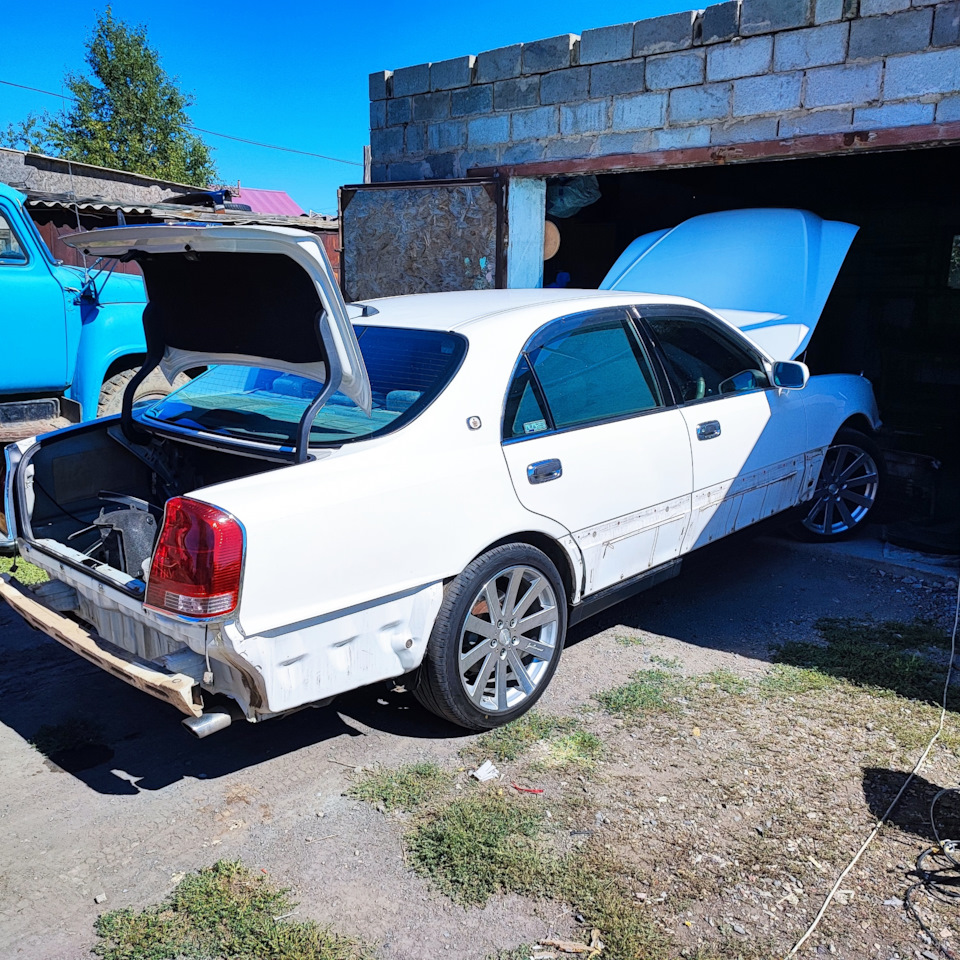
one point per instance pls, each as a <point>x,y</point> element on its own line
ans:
<point>948,110</point>
<point>568,148</point>
<point>739,58</point>
<point>516,93</point>
<point>378,114</point>
<point>448,74</point>
<point>937,71</point>
<point>744,131</point>
<point>380,83</point>
<point>905,32</point>
<point>378,172</point>
<point>834,86</point>
<point>826,11</point>
<point>410,80</point>
<point>776,93</point>
<point>415,138</point>
<point>946,25</point>
<point>766,16</point>
<point>720,22</point>
<point>814,47</point>
<point>639,113</point>
<point>529,152</point>
<point>870,8</point>
<point>536,124</point>
<point>555,53</point>
<point>499,64</point>
<point>470,100</point>
<point>611,143</point>
<point>675,70</point>
<point>607,43</point>
<point>562,86</point>
<point>399,111</point>
<point>407,170</point>
<point>443,166</point>
<point>386,144</point>
<point>431,106</point>
<point>676,139</point>
<point>823,121</point>
<point>661,34</point>
<point>484,131</point>
<point>449,135</point>
<point>698,104</point>
<point>584,118</point>
<point>477,158</point>
<point>613,79</point>
<point>893,115</point>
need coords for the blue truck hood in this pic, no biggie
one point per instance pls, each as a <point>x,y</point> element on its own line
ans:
<point>115,288</point>
<point>767,271</point>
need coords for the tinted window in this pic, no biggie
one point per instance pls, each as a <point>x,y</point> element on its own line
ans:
<point>587,368</point>
<point>407,370</point>
<point>706,361</point>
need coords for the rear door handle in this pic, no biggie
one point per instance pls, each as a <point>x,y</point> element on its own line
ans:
<point>544,470</point>
<point>708,430</point>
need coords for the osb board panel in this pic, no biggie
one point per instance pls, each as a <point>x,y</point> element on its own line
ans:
<point>415,239</point>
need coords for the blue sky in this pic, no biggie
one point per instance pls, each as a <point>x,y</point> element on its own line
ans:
<point>293,74</point>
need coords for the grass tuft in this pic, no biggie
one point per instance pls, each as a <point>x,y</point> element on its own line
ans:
<point>577,749</point>
<point>26,572</point>
<point>648,691</point>
<point>405,788</point>
<point>626,640</point>
<point>724,680</point>
<point>513,739</point>
<point>221,911</point>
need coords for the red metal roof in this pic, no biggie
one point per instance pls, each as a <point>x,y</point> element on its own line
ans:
<point>268,201</point>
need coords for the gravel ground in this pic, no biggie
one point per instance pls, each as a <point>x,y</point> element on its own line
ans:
<point>118,821</point>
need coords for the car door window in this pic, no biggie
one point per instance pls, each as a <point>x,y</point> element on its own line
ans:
<point>704,360</point>
<point>580,370</point>
<point>11,250</point>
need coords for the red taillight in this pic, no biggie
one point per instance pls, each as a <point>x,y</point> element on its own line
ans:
<point>198,561</point>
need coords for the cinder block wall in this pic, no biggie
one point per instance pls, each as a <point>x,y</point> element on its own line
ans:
<point>737,72</point>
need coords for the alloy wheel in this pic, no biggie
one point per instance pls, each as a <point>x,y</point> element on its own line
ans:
<point>846,491</point>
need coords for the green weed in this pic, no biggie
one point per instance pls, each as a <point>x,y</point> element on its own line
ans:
<point>511,740</point>
<point>405,788</point>
<point>630,641</point>
<point>648,691</point>
<point>579,749</point>
<point>668,663</point>
<point>221,911</point>
<point>723,680</point>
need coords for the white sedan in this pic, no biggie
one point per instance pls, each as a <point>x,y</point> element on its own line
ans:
<point>433,485</point>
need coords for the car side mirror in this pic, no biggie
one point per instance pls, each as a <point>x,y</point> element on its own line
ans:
<point>790,374</point>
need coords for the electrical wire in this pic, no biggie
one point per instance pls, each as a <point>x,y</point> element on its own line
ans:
<point>210,133</point>
<point>880,823</point>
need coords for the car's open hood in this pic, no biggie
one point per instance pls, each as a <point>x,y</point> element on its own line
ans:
<point>239,295</point>
<point>769,272</point>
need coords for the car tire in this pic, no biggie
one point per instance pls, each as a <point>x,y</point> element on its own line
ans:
<point>482,668</point>
<point>154,387</point>
<point>850,482</point>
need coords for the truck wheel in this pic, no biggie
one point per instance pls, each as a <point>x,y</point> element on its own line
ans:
<point>497,639</point>
<point>154,387</point>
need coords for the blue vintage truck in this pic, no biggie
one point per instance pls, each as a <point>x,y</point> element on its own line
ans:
<point>70,339</point>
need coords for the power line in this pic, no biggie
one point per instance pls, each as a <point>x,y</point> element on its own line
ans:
<point>210,133</point>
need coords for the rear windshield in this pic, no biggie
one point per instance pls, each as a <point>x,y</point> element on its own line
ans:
<point>407,370</point>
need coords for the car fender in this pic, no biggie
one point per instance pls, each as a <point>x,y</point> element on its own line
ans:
<point>834,398</point>
<point>108,333</point>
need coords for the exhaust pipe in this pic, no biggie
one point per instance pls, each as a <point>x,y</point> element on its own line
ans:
<point>208,723</point>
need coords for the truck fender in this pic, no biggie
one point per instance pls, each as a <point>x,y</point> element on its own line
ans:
<point>108,333</point>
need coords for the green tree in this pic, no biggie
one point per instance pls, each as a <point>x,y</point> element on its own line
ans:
<point>128,113</point>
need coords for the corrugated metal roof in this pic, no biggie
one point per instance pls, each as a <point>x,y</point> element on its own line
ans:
<point>267,201</point>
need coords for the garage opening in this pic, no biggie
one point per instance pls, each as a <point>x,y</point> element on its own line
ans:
<point>894,313</point>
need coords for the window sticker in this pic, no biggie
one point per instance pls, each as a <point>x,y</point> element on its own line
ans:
<point>534,426</point>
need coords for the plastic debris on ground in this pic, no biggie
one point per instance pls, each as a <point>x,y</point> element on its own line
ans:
<point>486,771</point>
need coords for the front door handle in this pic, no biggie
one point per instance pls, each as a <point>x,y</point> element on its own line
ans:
<point>708,430</point>
<point>544,470</point>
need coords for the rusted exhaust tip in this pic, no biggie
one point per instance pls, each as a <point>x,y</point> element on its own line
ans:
<point>208,723</point>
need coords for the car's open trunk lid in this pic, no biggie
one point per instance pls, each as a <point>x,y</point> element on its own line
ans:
<point>767,271</point>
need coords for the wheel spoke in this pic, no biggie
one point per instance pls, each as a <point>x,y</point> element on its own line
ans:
<point>537,620</point>
<point>536,588</point>
<point>510,599</point>
<point>483,677</point>
<point>857,498</point>
<point>849,471</point>
<point>846,515</point>
<point>468,659</point>
<point>866,480</point>
<point>501,684</point>
<point>493,601</point>
<point>520,671</point>
<point>535,648</point>
<point>827,515</point>
<point>482,627</point>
